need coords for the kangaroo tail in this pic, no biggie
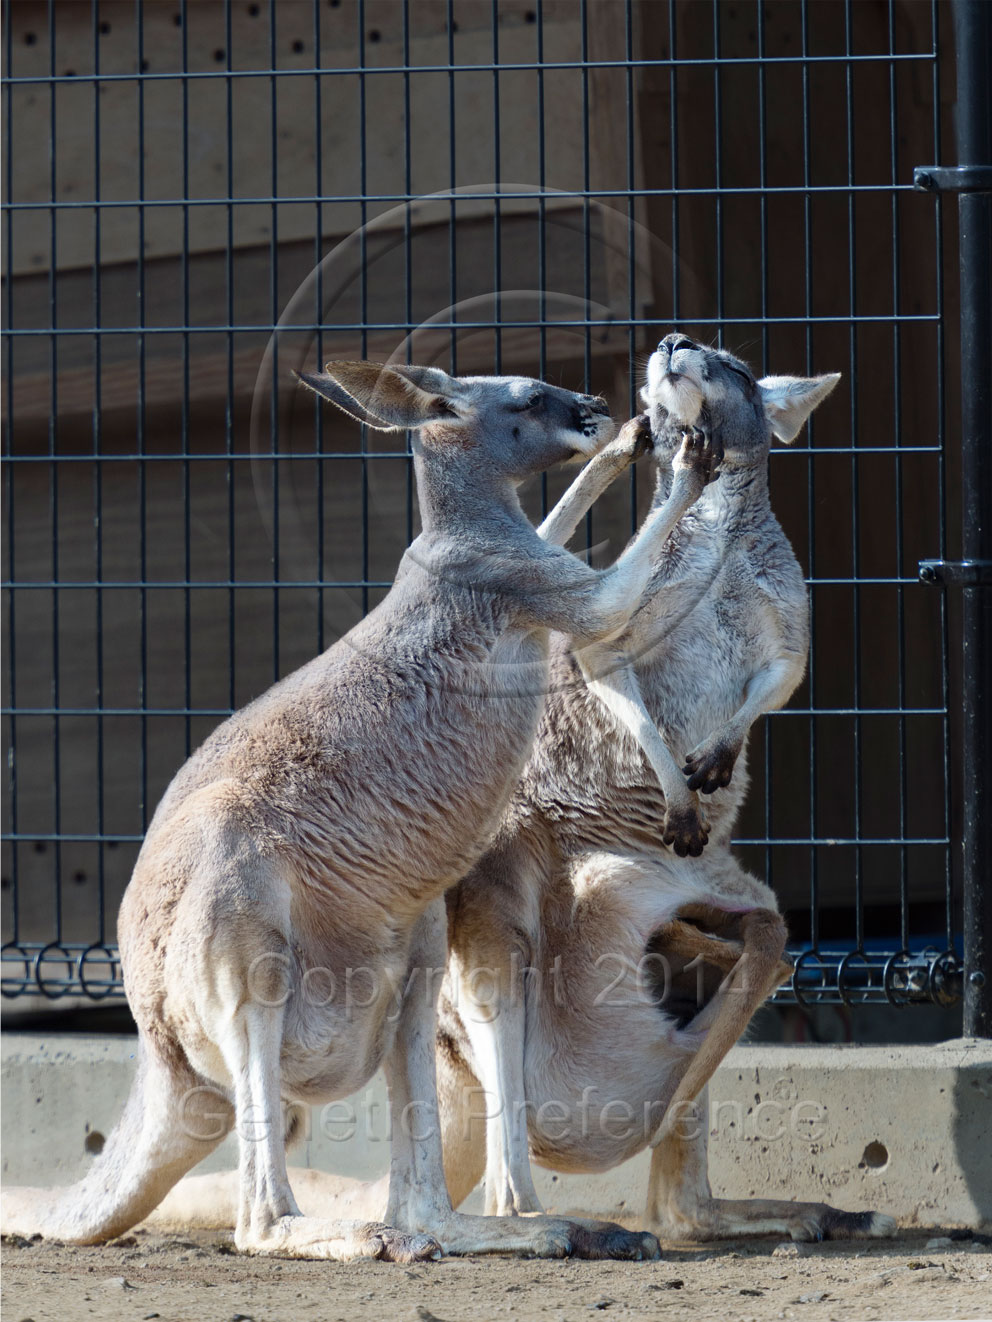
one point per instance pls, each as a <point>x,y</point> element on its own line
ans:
<point>170,1122</point>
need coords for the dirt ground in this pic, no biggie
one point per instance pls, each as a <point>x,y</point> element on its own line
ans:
<point>199,1278</point>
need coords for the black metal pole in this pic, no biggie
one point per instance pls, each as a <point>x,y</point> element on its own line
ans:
<point>973,42</point>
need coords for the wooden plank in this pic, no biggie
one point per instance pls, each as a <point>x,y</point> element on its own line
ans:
<point>615,159</point>
<point>230,146</point>
<point>215,377</point>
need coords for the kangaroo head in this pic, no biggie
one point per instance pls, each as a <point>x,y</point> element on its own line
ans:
<point>517,425</point>
<point>689,384</point>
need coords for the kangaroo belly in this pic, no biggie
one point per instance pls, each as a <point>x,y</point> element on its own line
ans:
<point>606,1110</point>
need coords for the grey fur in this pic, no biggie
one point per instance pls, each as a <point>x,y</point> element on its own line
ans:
<point>286,907</point>
<point>579,887</point>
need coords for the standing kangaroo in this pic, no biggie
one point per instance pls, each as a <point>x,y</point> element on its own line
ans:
<point>288,898</point>
<point>596,978</point>
<point>619,972</point>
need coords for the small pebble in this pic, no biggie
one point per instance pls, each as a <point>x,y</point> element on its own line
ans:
<point>817,1297</point>
<point>116,1283</point>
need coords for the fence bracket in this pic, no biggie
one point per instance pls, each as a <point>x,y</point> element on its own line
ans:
<point>923,980</point>
<point>957,573</point>
<point>953,178</point>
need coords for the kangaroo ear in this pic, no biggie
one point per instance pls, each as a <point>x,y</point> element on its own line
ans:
<point>789,400</point>
<point>327,388</point>
<point>388,398</point>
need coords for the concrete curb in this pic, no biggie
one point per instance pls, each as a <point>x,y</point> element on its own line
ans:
<point>902,1130</point>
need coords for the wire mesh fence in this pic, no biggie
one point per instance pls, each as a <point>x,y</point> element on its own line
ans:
<point>201,196</point>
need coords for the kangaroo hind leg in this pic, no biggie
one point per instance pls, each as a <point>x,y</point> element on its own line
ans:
<point>268,1218</point>
<point>681,1205</point>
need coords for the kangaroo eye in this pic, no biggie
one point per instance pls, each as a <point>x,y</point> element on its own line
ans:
<point>532,401</point>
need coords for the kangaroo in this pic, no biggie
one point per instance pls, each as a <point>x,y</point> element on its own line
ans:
<point>596,977</point>
<point>618,971</point>
<point>285,920</point>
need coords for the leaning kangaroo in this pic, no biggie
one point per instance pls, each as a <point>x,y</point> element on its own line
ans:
<point>289,894</point>
<point>579,943</point>
<point>619,972</point>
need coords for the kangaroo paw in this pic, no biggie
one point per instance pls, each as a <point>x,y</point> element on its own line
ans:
<point>710,765</point>
<point>701,454</point>
<point>685,831</point>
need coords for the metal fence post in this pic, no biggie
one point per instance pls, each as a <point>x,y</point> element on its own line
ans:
<point>973,39</point>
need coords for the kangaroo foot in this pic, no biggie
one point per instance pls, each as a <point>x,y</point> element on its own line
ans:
<point>340,1241</point>
<point>597,1240</point>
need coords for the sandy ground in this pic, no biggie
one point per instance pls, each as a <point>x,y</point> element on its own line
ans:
<point>200,1279</point>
